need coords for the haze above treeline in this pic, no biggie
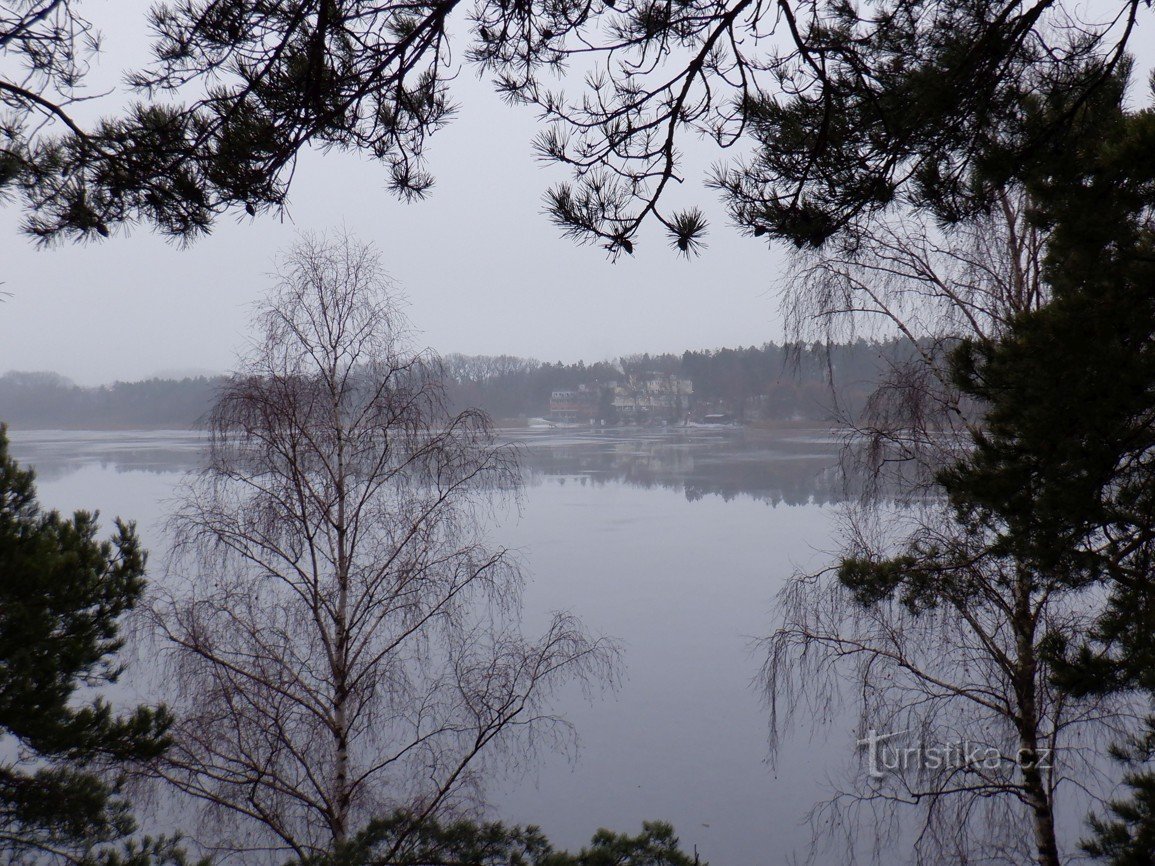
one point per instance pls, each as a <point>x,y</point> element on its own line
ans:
<point>793,382</point>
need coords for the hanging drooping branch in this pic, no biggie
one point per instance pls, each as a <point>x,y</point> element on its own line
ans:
<point>932,619</point>
<point>342,642</point>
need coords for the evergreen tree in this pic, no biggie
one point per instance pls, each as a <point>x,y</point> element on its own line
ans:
<point>63,593</point>
<point>1060,482</point>
<point>1067,462</point>
<point>1126,835</point>
<point>399,841</point>
<point>857,107</point>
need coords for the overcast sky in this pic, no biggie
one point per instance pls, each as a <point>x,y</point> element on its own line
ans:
<point>483,269</point>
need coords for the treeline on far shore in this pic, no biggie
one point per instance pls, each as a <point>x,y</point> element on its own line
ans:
<point>790,382</point>
<point>41,400</point>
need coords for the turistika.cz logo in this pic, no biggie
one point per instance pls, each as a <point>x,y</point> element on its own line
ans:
<point>886,755</point>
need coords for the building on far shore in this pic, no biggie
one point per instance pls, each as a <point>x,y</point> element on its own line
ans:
<point>573,405</point>
<point>635,399</point>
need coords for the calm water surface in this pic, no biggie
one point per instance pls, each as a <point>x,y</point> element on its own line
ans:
<point>672,542</point>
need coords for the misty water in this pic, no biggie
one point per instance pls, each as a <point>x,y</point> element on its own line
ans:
<point>672,542</point>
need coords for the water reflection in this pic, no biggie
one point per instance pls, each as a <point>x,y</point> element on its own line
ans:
<point>790,467</point>
<point>56,454</point>
<point>795,467</point>
<point>607,532</point>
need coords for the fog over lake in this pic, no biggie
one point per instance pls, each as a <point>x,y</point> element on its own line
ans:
<point>672,541</point>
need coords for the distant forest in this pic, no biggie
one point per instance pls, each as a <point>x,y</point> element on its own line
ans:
<point>793,382</point>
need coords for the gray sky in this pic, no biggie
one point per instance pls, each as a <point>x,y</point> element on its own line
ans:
<point>483,269</point>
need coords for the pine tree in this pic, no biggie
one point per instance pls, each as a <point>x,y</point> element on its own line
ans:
<point>1060,482</point>
<point>397,840</point>
<point>856,108</point>
<point>62,596</point>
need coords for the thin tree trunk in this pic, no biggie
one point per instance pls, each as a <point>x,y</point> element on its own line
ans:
<point>1034,788</point>
<point>341,793</point>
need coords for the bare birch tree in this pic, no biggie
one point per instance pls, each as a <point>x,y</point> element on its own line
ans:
<point>938,633</point>
<point>341,641</point>
<point>901,276</point>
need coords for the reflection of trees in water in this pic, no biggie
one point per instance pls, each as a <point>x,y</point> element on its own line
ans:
<point>783,467</point>
<point>793,469</point>
<point>55,456</point>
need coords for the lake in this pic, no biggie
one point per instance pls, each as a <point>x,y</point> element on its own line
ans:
<point>674,542</point>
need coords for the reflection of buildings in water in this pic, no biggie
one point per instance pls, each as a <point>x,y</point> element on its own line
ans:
<point>789,468</point>
<point>653,460</point>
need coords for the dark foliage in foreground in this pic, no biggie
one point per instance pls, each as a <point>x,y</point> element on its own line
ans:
<point>397,841</point>
<point>63,593</point>
<point>1060,482</point>
<point>851,108</point>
